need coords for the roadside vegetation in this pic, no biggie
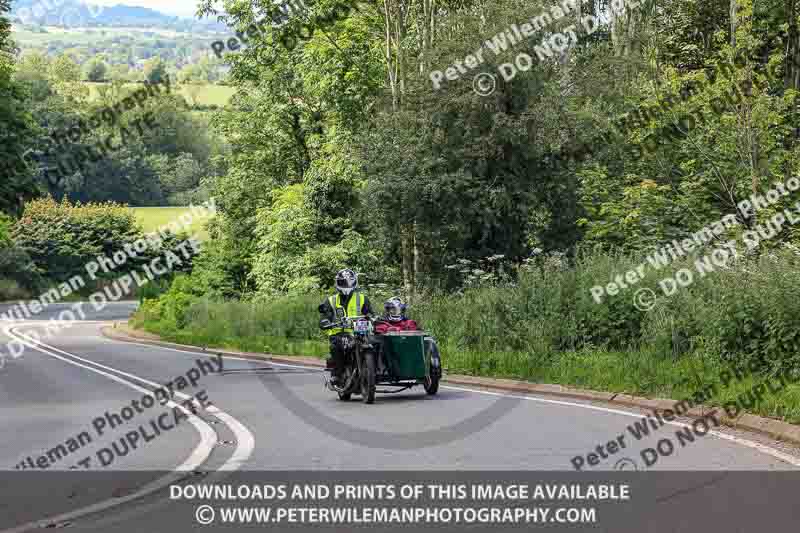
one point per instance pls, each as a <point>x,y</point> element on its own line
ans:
<point>54,241</point>
<point>495,215</point>
<point>544,326</point>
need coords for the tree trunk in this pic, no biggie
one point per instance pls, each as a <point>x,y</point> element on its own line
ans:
<point>388,55</point>
<point>407,252</point>
<point>417,254</point>
<point>791,79</point>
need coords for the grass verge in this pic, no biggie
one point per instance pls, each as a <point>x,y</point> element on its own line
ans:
<point>640,373</point>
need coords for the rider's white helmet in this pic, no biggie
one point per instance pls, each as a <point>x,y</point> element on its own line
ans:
<point>346,281</point>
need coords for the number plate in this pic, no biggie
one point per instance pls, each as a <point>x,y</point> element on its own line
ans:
<point>361,326</point>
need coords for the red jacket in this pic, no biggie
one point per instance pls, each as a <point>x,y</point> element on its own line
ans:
<point>384,326</point>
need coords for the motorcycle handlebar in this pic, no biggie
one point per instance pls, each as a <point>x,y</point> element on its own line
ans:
<point>347,322</point>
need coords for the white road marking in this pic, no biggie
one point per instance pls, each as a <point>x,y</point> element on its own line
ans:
<point>208,437</point>
<point>244,438</point>
<point>787,458</point>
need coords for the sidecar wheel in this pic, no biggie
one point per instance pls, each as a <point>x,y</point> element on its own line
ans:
<point>431,386</point>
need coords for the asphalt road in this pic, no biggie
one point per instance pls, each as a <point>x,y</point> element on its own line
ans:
<point>267,416</point>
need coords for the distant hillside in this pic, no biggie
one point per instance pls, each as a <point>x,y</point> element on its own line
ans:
<point>73,13</point>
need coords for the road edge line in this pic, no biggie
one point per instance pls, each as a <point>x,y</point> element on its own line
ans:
<point>244,449</point>
<point>775,429</point>
<point>201,456</point>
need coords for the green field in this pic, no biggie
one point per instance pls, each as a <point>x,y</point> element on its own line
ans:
<point>153,218</point>
<point>207,94</point>
<point>44,35</point>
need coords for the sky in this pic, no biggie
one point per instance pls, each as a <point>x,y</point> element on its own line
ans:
<point>185,8</point>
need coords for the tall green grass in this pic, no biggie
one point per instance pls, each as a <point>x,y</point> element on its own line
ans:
<point>545,327</point>
<point>282,325</point>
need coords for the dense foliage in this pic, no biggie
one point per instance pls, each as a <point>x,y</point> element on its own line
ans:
<point>16,127</point>
<point>62,238</point>
<point>338,150</point>
<point>159,166</point>
<point>343,152</point>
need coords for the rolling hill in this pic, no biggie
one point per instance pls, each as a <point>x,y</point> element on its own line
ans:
<point>73,13</point>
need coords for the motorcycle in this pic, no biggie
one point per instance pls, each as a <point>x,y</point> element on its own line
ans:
<point>359,374</point>
<point>400,359</point>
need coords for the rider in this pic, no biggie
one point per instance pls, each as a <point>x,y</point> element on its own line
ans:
<point>395,318</point>
<point>347,302</point>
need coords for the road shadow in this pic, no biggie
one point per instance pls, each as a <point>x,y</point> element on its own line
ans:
<point>413,396</point>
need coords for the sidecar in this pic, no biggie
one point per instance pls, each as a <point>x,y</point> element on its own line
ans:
<point>408,358</point>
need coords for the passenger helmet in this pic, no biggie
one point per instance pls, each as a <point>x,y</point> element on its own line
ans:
<point>395,308</point>
<point>346,281</point>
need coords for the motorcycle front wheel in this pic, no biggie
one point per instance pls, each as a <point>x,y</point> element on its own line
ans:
<point>368,379</point>
<point>344,395</point>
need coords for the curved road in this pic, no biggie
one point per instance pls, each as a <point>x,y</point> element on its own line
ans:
<point>279,417</point>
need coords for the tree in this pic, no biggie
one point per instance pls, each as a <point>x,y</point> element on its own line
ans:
<point>119,73</point>
<point>32,70</point>
<point>96,70</point>
<point>178,177</point>
<point>16,128</point>
<point>64,69</point>
<point>340,134</point>
<point>155,71</point>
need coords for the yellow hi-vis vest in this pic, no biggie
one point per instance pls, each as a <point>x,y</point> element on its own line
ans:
<point>353,309</point>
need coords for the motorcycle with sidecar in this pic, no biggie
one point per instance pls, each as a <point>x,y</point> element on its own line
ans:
<point>400,360</point>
